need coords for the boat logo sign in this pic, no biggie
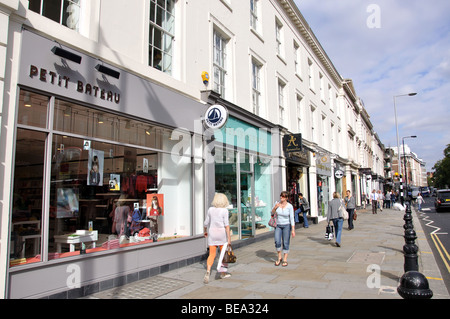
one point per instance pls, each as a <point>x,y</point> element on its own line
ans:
<point>216,116</point>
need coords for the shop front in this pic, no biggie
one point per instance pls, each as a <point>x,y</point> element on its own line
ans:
<point>340,179</point>
<point>242,169</point>
<point>297,171</point>
<point>324,180</point>
<point>108,181</point>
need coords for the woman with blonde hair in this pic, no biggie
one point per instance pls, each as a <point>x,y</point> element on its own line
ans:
<point>217,230</point>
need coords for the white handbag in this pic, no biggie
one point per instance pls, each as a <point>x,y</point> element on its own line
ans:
<point>343,212</point>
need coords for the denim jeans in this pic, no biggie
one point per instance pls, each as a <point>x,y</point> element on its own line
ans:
<point>283,237</point>
<point>338,223</point>
<point>305,219</point>
<point>351,212</point>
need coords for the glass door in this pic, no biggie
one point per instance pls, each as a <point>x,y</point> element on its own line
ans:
<point>247,205</point>
<point>246,195</point>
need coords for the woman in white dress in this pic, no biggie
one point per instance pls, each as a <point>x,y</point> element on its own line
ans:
<point>217,230</point>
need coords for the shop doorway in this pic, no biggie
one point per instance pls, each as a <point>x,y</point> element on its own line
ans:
<point>246,180</point>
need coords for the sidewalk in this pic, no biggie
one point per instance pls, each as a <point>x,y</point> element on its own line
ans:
<point>317,268</point>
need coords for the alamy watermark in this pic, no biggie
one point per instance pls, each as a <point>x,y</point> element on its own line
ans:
<point>374,279</point>
<point>374,19</point>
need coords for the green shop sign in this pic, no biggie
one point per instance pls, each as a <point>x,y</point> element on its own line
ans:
<point>240,134</point>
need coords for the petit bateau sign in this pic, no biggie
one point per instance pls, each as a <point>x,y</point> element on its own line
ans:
<point>63,81</point>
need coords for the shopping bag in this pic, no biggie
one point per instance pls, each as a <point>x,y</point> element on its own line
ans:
<point>329,232</point>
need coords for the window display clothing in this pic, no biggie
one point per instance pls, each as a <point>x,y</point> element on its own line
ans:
<point>216,221</point>
<point>120,219</point>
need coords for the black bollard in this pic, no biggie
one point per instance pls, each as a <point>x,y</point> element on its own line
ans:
<point>408,218</point>
<point>414,285</point>
<point>410,250</point>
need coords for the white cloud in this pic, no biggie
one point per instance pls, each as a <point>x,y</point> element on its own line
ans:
<point>409,52</point>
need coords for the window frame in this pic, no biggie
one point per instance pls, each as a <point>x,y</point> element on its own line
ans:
<point>165,26</point>
<point>220,56</point>
<point>44,13</point>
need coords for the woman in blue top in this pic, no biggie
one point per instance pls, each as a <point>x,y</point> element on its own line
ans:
<point>285,227</point>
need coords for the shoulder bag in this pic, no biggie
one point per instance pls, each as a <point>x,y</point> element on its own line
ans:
<point>343,212</point>
<point>273,220</point>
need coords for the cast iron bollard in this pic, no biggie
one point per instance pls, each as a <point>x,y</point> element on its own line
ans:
<point>408,218</point>
<point>410,250</point>
<point>413,284</point>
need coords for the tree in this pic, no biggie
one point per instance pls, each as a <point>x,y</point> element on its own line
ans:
<point>442,170</point>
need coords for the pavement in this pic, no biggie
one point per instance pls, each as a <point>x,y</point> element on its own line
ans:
<point>368,265</point>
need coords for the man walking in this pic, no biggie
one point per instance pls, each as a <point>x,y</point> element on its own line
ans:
<point>374,200</point>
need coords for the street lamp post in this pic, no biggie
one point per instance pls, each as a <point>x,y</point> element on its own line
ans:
<point>404,161</point>
<point>396,127</point>
<point>399,165</point>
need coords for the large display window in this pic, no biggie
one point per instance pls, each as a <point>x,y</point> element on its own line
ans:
<point>246,180</point>
<point>87,181</point>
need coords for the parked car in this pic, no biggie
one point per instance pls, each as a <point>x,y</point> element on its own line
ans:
<point>442,199</point>
<point>433,191</point>
<point>425,191</point>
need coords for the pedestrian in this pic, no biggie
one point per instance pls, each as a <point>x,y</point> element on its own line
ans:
<point>374,201</point>
<point>304,208</point>
<point>285,227</point>
<point>388,199</point>
<point>420,201</point>
<point>335,216</point>
<point>380,199</point>
<point>350,204</point>
<point>393,198</point>
<point>217,230</point>
<point>364,200</point>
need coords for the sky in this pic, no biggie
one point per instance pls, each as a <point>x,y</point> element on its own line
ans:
<point>390,48</point>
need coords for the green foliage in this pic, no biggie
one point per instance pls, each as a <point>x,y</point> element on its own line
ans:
<point>442,170</point>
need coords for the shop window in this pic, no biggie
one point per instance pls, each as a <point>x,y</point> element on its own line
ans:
<point>112,195</point>
<point>251,197</point>
<point>33,109</point>
<point>65,12</point>
<point>114,181</point>
<point>26,219</point>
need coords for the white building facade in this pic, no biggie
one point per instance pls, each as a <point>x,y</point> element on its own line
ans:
<point>108,164</point>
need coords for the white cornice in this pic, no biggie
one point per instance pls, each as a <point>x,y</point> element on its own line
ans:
<point>300,23</point>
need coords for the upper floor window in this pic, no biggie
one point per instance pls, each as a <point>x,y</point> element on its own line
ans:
<point>279,37</point>
<point>254,17</point>
<point>322,87</point>
<point>311,75</point>
<point>65,12</point>
<point>281,101</point>
<point>300,113</point>
<point>256,87</point>
<point>297,59</point>
<point>161,34</point>
<point>220,66</point>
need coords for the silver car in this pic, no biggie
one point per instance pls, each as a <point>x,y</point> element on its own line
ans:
<point>442,199</point>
